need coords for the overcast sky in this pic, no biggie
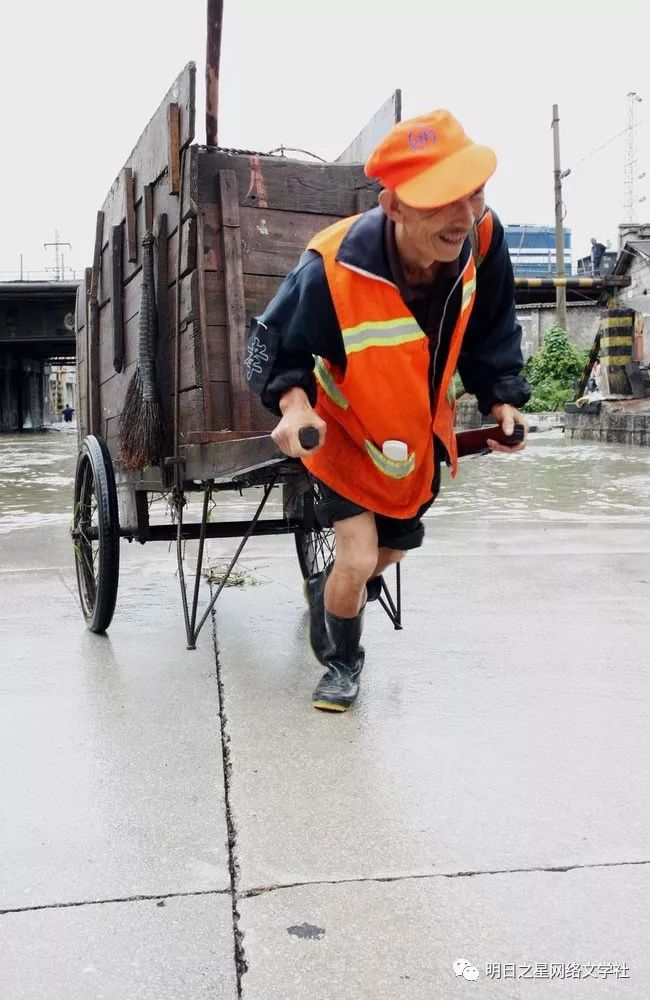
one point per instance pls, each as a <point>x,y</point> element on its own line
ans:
<point>80,79</point>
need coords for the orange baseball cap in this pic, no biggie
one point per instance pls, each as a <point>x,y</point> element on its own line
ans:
<point>429,161</point>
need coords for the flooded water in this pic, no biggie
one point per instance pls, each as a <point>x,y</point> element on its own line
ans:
<point>554,479</point>
<point>37,478</point>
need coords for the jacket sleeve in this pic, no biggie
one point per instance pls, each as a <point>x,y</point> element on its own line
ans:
<point>491,360</point>
<point>298,324</point>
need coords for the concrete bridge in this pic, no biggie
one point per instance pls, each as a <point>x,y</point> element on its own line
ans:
<point>36,332</point>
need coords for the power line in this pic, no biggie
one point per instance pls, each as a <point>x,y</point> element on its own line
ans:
<point>603,145</point>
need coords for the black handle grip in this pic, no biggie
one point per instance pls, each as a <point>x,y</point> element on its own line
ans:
<point>476,442</point>
<point>308,437</point>
<point>516,437</point>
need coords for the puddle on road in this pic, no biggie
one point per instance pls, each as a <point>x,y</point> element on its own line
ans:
<point>554,479</point>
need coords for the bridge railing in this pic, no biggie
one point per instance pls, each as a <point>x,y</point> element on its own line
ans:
<point>44,274</point>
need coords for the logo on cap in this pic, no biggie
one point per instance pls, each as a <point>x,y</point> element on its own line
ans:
<point>421,137</point>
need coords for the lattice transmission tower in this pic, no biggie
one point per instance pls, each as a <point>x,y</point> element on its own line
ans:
<point>629,204</point>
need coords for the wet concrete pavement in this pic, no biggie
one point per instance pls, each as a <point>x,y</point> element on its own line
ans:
<point>182,824</point>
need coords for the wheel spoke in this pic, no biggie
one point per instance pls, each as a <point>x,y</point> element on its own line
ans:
<point>85,552</point>
<point>316,546</point>
<point>95,533</point>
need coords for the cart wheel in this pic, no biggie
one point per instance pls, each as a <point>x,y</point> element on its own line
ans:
<point>96,533</point>
<point>315,546</point>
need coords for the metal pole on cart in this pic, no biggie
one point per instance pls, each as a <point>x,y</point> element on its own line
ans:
<point>212,57</point>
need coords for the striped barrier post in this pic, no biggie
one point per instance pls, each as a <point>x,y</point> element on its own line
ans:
<point>616,348</point>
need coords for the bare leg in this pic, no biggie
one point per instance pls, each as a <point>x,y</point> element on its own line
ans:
<point>385,558</point>
<point>356,557</point>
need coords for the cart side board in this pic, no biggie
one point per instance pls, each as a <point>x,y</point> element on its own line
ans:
<point>245,220</point>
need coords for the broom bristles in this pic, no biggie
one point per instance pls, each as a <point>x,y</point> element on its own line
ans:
<point>141,427</point>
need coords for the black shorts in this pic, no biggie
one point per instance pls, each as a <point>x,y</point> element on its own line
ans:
<point>392,532</point>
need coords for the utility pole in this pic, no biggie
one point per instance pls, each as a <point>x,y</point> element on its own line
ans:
<point>212,60</point>
<point>560,291</point>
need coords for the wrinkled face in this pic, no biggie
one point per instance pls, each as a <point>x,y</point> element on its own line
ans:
<point>435,234</point>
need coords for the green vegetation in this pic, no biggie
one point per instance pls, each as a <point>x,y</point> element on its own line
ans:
<point>553,372</point>
<point>457,387</point>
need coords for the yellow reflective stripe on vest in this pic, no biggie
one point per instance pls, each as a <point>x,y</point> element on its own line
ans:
<point>392,468</point>
<point>328,385</point>
<point>468,291</point>
<point>385,333</point>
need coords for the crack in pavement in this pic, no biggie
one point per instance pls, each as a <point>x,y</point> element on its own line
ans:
<point>241,965</point>
<point>261,890</point>
<point>116,899</point>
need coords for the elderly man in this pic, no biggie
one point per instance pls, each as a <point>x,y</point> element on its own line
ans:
<point>361,342</point>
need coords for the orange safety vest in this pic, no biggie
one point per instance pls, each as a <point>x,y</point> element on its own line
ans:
<point>384,393</point>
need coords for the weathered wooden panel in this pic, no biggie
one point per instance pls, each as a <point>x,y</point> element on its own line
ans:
<point>289,185</point>
<point>80,305</point>
<point>262,419</point>
<point>225,459</point>
<point>190,374</point>
<point>93,331</point>
<point>113,392</point>
<point>81,398</point>
<point>221,394</point>
<point>191,417</point>
<point>188,250</point>
<point>235,305</point>
<point>164,328</point>
<point>377,128</point>
<point>88,273</point>
<point>117,297</point>
<point>258,292</point>
<point>173,147</point>
<point>148,160</point>
<point>129,213</point>
<point>210,244</point>
<point>162,202</point>
<point>272,241</point>
<point>192,410</point>
<point>131,330</point>
<point>189,301</point>
<point>148,207</point>
<point>132,294</point>
<point>111,430</point>
<point>218,355</point>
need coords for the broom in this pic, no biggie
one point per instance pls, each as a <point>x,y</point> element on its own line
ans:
<point>141,426</point>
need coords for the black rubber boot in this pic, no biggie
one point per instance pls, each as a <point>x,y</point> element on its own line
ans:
<point>338,688</point>
<point>315,594</point>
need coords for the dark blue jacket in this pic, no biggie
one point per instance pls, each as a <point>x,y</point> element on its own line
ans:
<point>300,322</point>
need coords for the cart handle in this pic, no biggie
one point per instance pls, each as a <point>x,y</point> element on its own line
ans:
<point>469,442</point>
<point>308,437</point>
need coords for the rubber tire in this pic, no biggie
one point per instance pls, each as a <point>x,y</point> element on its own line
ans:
<point>99,612</point>
<point>315,546</point>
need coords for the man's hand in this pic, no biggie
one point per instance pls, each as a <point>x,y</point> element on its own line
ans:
<point>507,416</point>
<point>296,414</point>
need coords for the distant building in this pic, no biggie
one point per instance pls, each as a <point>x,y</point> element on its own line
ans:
<point>532,250</point>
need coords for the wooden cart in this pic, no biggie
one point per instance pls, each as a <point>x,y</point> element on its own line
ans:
<point>227,226</point>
